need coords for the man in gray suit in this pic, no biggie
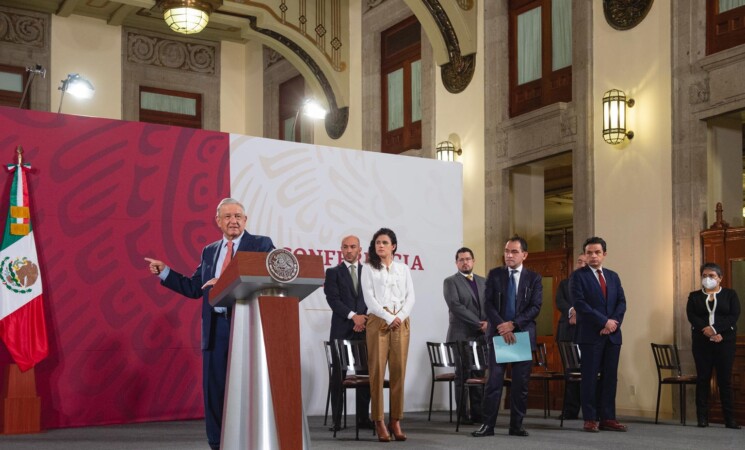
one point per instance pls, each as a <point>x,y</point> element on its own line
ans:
<point>464,294</point>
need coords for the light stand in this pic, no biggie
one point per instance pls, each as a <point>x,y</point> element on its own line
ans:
<point>35,70</point>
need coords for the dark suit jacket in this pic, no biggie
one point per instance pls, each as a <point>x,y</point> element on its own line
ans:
<point>342,299</point>
<point>466,311</point>
<point>564,331</point>
<point>593,311</point>
<point>725,316</point>
<point>528,301</point>
<point>192,286</point>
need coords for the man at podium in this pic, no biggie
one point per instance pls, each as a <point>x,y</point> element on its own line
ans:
<point>231,219</point>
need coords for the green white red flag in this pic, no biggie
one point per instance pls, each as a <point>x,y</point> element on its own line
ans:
<point>22,324</point>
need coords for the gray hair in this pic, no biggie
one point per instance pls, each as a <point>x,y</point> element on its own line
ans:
<point>228,201</point>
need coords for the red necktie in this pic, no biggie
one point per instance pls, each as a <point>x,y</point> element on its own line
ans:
<point>228,257</point>
<point>603,287</point>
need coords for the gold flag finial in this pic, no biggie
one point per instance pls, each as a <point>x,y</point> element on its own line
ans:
<point>19,151</point>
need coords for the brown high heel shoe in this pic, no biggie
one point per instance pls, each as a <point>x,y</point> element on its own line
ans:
<point>382,431</point>
<point>395,428</point>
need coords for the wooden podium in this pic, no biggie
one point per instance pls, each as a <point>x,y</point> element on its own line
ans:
<point>263,399</point>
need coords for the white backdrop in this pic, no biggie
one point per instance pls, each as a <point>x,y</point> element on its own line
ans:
<point>307,197</point>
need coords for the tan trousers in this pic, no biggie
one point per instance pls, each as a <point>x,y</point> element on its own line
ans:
<point>391,347</point>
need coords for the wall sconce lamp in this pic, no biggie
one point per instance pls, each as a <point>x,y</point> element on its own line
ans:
<point>76,86</point>
<point>35,70</point>
<point>188,16</point>
<point>446,151</point>
<point>614,117</point>
<point>310,108</point>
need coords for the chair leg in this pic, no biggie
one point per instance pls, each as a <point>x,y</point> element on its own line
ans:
<point>344,399</point>
<point>564,404</point>
<point>431,395</point>
<point>683,404</point>
<point>328,401</point>
<point>546,412</point>
<point>450,399</point>
<point>657,411</point>
<point>460,407</point>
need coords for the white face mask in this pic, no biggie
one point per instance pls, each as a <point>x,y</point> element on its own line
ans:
<point>709,283</point>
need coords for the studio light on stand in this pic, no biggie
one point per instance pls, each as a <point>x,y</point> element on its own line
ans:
<point>310,108</point>
<point>76,86</point>
<point>35,70</point>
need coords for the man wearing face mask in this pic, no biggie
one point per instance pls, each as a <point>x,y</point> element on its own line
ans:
<point>713,312</point>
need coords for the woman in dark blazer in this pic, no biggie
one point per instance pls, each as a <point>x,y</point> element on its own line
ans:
<point>713,312</point>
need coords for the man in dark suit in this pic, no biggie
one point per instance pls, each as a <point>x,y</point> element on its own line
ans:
<point>513,300</point>
<point>231,219</point>
<point>464,295</point>
<point>600,306</point>
<point>344,295</point>
<point>565,333</point>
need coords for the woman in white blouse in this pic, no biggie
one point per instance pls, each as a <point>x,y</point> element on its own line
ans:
<point>389,296</point>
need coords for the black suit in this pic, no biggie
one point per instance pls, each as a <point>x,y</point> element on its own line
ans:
<point>565,333</point>
<point>215,327</point>
<point>343,299</point>
<point>708,354</point>
<point>528,301</point>
<point>600,353</point>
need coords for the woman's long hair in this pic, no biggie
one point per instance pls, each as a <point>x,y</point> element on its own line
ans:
<point>372,256</point>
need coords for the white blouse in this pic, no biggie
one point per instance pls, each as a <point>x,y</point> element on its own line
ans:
<point>390,288</point>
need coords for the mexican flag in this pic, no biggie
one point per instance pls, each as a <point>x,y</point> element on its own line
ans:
<point>22,325</point>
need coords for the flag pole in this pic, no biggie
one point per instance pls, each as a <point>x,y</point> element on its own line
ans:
<point>20,412</point>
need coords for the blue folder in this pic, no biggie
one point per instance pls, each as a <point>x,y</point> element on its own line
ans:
<point>519,351</point>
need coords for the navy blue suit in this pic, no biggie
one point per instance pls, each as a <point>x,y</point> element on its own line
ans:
<point>528,301</point>
<point>343,299</point>
<point>600,353</point>
<point>215,327</point>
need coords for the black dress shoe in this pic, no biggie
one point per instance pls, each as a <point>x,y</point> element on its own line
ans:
<point>732,424</point>
<point>485,430</point>
<point>518,432</point>
<point>703,423</point>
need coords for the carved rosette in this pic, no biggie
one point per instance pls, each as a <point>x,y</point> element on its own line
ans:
<point>22,29</point>
<point>625,14</point>
<point>171,54</point>
<point>458,73</point>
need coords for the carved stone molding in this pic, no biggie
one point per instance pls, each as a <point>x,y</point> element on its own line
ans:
<point>698,92</point>
<point>272,57</point>
<point>373,3</point>
<point>163,52</point>
<point>19,28</point>
<point>625,14</point>
<point>337,118</point>
<point>458,73</point>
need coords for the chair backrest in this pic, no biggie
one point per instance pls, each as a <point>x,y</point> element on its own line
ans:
<point>351,354</point>
<point>666,357</point>
<point>539,356</point>
<point>329,355</point>
<point>441,354</point>
<point>473,355</point>
<point>570,357</point>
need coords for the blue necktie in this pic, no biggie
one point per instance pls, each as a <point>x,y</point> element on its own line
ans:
<point>509,308</point>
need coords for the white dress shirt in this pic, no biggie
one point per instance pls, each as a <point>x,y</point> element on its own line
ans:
<point>390,288</point>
